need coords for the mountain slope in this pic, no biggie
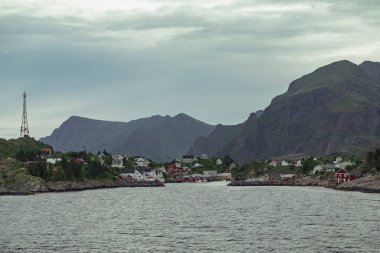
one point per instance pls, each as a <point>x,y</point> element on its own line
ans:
<point>336,108</point>
<point>159,137</point>
<point>219,138</point>
<point>9,148</point>
<point>372,69</point>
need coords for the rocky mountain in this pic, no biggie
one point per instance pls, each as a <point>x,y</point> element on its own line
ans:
<point>372,69</point>
<point>219,138</point>
<point>160,138</point>
<point>334,109</point>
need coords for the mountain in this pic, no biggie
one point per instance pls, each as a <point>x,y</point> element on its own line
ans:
<point>160,138</point>
<point>219,138</point>
<point>372,69</point>
<point>334,109</point>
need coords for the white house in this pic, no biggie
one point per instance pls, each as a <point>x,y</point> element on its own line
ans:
<point>272,163</point>
<point>284,164</point>
<point>343,165</point>
<point>142,175</point>
<point>53,160</point>
<point>226,176</point>
<point>117,161</point>
<point>323,168</point>
<point>211,173</point>
<point>142,162</point>
<point>204,156</point>
<point>317,168</point>
<point>338,160</point>
<point>232,165</point>
<point>188,159</point>
<point>298,163</point>
<point>218,162</point>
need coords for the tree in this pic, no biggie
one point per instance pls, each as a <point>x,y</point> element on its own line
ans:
<point>227,160</point>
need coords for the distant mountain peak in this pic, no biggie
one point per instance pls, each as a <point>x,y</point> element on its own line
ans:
<point>161,138</point>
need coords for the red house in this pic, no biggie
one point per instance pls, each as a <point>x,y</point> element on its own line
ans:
<point>173,169</point>
<point>342,175</point>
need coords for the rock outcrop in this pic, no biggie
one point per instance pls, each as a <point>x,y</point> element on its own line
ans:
<point>369,183</point>
<point>334,109</point>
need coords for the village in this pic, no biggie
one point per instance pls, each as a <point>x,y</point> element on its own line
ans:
<point>190,169</point>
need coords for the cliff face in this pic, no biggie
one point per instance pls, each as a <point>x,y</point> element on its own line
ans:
<point>334,109</point>
<point>160,138</point>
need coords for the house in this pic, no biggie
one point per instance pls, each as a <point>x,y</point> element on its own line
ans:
<point>343,165</point>
<point>174,169</point>
<point>317,169</point>
<point>219,162</point>
<point>151,175</point>
<point>343,175</point>
<point>211,173</point>
<point>142,162</point>
<point>225,176</point>
<point>204,156</point>
<point>272,163</point>
<point>102,158</point>
<point>338,160</point>
<point>298,163</point>
<point>117,161</point>
<point>323,168</point>
<point>188,159</point>
<point>53,160</point>
<point>284,163</point>
<point>131,174</point>
<point>142,174</point>
<point>232,165</point>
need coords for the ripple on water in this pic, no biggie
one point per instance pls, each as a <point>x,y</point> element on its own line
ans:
<point>192,217</point>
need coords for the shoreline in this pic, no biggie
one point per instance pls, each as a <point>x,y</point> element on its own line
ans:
<point>72,186</point>
<point>367,184</point>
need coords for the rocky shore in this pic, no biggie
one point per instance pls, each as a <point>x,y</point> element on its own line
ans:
<point>16,181</point>
<point>369,184</point>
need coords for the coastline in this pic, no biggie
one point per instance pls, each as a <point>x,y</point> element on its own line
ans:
<point>367,184</point>
<point>67,186</point>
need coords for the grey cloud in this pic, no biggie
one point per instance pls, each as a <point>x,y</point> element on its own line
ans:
<point>216,58</point>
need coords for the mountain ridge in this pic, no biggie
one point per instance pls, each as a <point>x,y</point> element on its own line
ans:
<point>136,137</point>
<point>335,108</point>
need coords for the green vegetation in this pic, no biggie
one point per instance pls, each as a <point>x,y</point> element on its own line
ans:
<point>26,147</point>
<point>75,166</point>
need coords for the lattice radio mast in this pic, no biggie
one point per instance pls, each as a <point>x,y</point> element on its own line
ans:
<point>24,131</point>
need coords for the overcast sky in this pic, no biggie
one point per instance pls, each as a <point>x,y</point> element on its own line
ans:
<point>217,60</point>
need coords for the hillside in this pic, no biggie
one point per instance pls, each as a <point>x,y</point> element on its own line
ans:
<point>159,138</point>
<point>9,148</point>
<point>219,138</point>
<point>334,109</point>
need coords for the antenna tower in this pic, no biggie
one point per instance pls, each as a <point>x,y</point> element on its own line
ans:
<point>24,131</point>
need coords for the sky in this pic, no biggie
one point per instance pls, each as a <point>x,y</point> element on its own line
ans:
<point>120,60</point>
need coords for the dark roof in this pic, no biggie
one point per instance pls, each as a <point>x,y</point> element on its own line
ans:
<point>142,170</point>
<point>188,156</point>
<point>128,170</point>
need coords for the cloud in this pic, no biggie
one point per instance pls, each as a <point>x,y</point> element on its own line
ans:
<point>215,60</point>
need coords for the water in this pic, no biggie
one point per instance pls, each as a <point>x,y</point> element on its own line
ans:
<point>203,217</point>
